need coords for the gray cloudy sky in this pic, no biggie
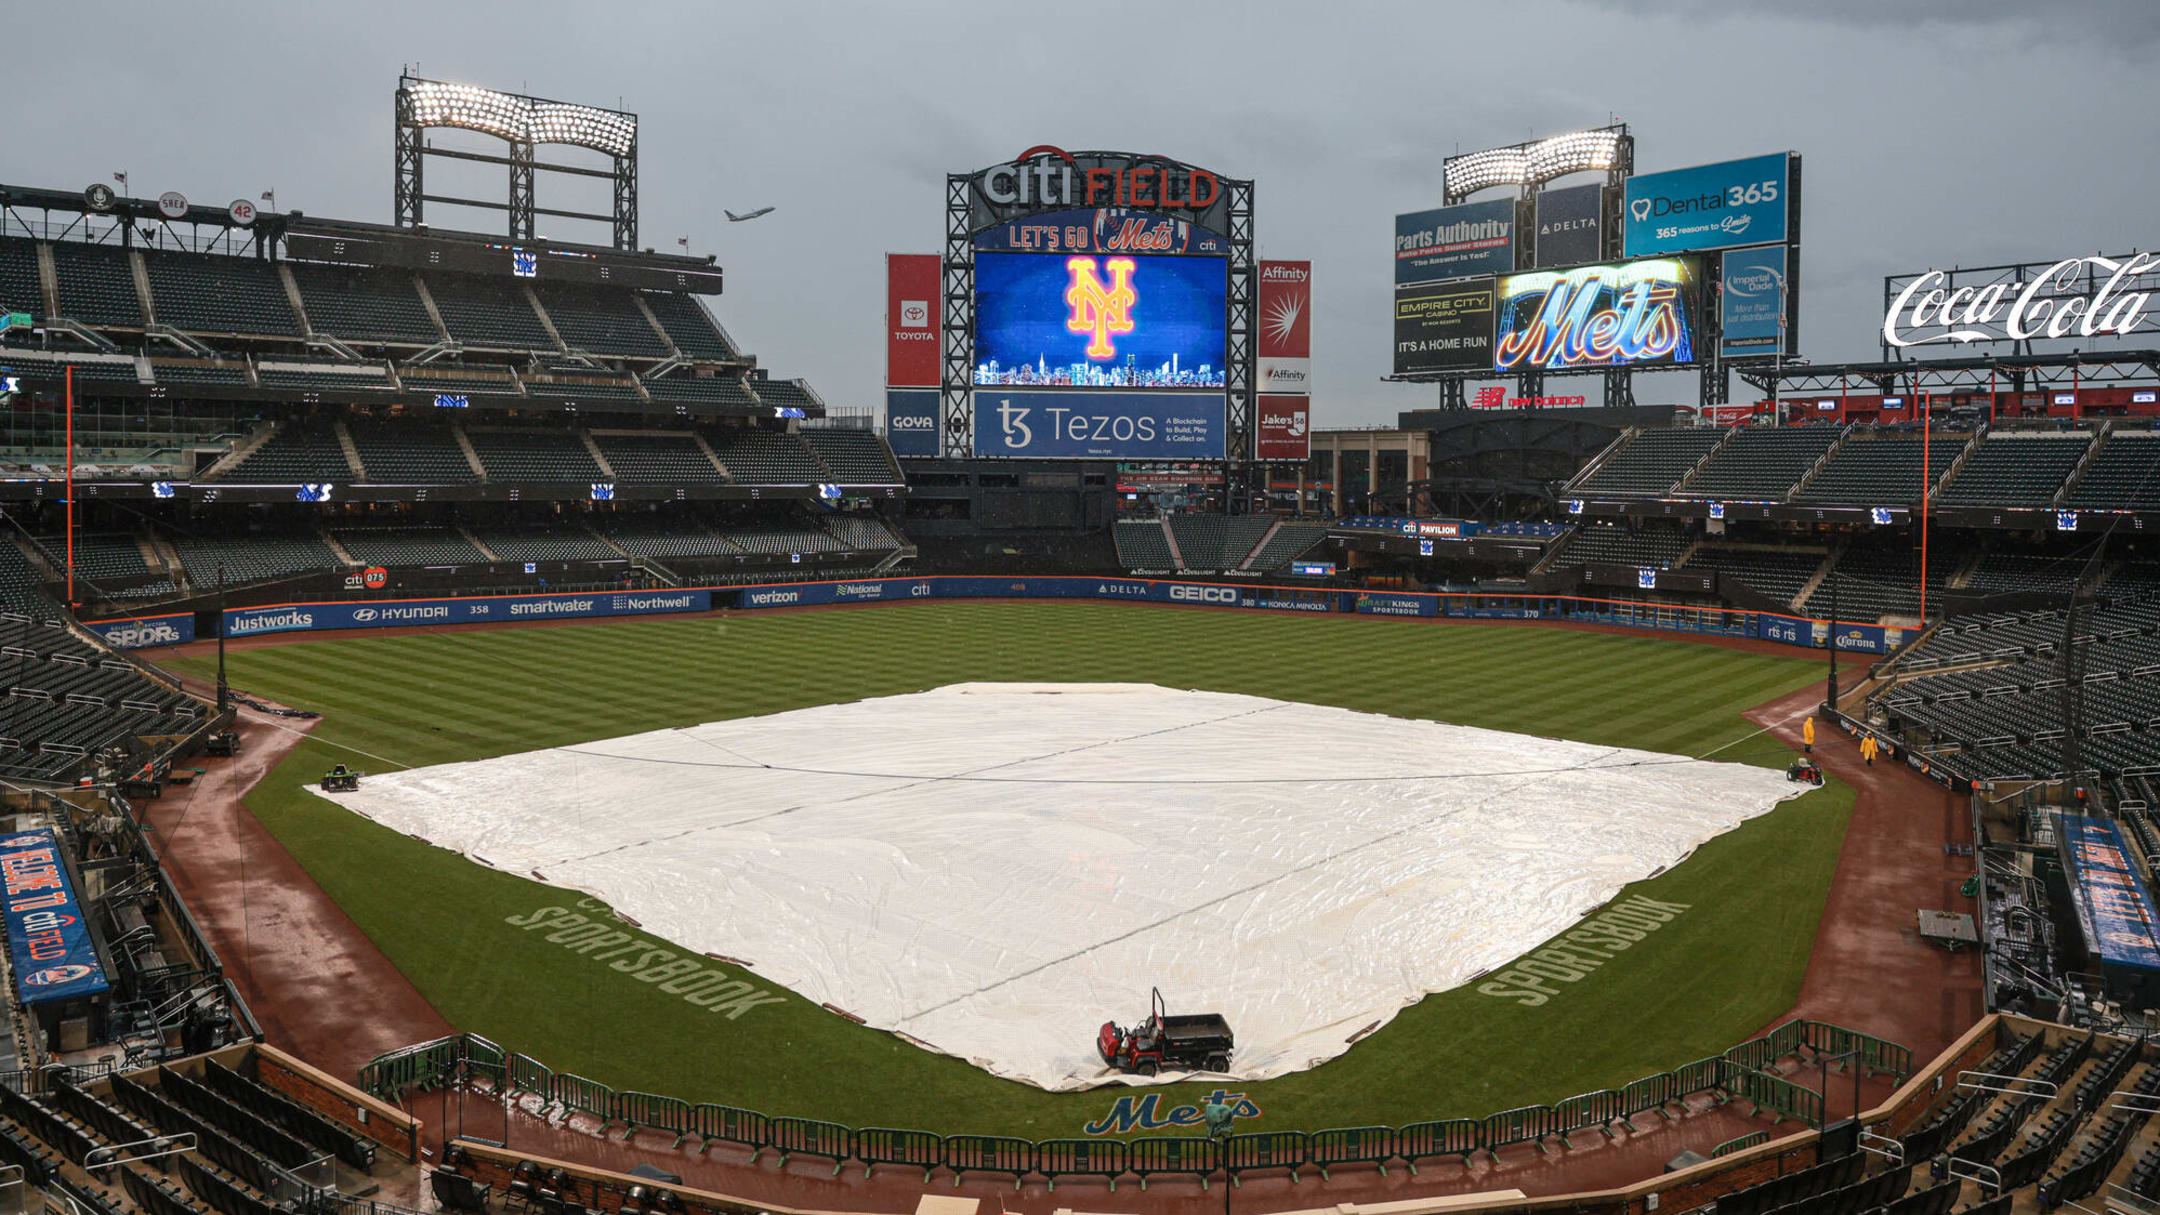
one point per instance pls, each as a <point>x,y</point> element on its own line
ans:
<point>1935,131</point>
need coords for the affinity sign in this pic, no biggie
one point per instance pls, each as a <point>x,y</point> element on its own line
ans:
<point>1631,314</point>
<point>2077,297</point>
<point>1737,202</point>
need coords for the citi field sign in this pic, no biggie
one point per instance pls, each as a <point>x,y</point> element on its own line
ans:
<point>2077,297</point>
<point>1047,176</point>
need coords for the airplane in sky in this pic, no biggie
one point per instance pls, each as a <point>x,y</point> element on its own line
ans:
<point>734,218</point>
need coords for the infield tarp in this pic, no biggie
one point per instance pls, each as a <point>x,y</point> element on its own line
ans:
<point>996,869</point>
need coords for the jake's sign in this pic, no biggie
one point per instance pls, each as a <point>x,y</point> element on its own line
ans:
<point>2077,297</point>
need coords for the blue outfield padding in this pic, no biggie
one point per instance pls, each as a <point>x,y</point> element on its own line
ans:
<point>404,613</point>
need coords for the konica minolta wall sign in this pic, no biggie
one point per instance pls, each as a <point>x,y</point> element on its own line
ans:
<point>1736,202</point>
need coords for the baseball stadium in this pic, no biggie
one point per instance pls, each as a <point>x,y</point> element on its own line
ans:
<point>478,740</point>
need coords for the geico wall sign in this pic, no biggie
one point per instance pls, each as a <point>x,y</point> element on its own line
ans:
<point>1634,313</point>
<point>2077,297</point>
<point>1100,425</point>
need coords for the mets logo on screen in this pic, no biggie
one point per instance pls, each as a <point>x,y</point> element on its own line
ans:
<point>53,976</point>
<point>1099,309</point>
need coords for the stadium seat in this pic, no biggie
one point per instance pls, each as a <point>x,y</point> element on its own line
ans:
<point>2015,468</point>
<point>1761,463</point>
<point>1649,463</point>
<point>228,296</point>
<point>657,459</point>
<point>534,455</point>
<point>690,327</point>
<point>364,306</point>
<point>854,457</point>
<point>96,285</point>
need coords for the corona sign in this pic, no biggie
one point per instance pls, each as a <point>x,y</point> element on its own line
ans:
<point>1631,314</point>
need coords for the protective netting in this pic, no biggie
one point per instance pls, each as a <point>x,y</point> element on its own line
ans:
<point>996,869</point>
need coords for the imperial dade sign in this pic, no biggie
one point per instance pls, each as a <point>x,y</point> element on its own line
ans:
<point>2075,298</point>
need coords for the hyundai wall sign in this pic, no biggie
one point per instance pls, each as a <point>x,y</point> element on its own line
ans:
<point>2075,298</point>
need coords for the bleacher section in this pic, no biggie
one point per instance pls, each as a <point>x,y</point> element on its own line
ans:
<point>541,544</point>
<point>1876,581</point>
<point>660,459</point>
<point>1881,470</point>
<point>66,699</point>
<point>782,394</point>
<point>1612,543</point>
<point>863,532</point>
<point>1762,464</point>
<point>534,455</point>
<point>724,390</point>
<point>1649,463</point>
<point>1289,542</point>
<point>1999,573</point>
<point>19,593</point>
<point>1778,573</point>
<point>295,455</point>
<point>782,541</point>
<point>2015,468</point>
<point>1142,544</point>
<point>411,455</point>
<point>690,327</point>
<point>96,285</point>
<point>20,287</point>
<point>600,322</point>
<point>1217,542</point>
<point>219,295</point>
<point>2005,719</point>
<point>651,538</point>
<point>169,372</point>
<point>854,457</point>
<point>488,313</point>
<point>364,306</point>
<point>764,457</point>
<point>407,546</point>
<point>109,563</point>
<point>2124,474</point>
<point>255,557</point>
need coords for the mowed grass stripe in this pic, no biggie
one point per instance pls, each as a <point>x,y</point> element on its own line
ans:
<point>1728,964</point>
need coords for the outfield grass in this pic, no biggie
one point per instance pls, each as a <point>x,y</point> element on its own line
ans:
<point>1711,977</point>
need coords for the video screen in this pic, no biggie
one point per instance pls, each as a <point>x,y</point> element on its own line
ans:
<point>1633,313</point>
<point>1100,320</point>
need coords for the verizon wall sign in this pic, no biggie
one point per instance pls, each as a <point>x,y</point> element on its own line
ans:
<point>2078,297</point>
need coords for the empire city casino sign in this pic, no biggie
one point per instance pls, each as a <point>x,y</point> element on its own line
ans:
<point>1596,316</point>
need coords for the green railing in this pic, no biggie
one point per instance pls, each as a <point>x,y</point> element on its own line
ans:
<point>1744,1072</point>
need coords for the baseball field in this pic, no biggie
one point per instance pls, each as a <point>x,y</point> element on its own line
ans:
<point>518,962</point>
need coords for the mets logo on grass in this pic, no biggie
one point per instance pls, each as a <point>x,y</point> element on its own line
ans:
<point>1138,1112</point>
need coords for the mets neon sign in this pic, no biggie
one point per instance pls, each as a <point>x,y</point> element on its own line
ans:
<point>1099,310</point>
<point>1596,316</point>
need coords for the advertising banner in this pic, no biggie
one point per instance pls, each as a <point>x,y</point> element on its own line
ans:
<point>1632,314</point>
<point>1398,605</point>
<point>1751,301</point>
<point>1455,242</point>
<point>1101,230</point>
<point>397,613</point>
<point>1085,321</point>
<point>1444,327</point>
<point>1100,425</point>
<point>2112,898</point>
<point>143,632</point>
<point>1570,226</point>
<point>48,942</point>
<point>809,594</point>
<point>1283,428</point>
<point>1285,310</point>
<point>1736,202</point>
<point>914,282</point>
<point>911,421</point>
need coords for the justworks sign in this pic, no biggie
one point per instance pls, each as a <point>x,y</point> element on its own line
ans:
<point>1044,176</point>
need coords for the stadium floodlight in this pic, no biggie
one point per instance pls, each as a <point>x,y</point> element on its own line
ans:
<point>1535,162</point>
<point>517,119</point>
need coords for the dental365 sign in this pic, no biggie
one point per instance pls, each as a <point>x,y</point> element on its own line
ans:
<point>1737,202</point>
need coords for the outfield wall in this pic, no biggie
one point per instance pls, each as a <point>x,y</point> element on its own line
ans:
<point>1800,631</point>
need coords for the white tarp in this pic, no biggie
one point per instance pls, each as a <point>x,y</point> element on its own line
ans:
<point>996,869</point>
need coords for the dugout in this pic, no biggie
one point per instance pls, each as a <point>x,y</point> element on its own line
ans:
<point>2113,908</point>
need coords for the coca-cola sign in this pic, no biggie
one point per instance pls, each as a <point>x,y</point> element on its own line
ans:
<point>2075,298</point>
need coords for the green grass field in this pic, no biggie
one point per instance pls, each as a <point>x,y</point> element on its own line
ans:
<point>1708,979</point>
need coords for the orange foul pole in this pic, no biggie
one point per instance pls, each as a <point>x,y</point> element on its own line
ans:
<point>71,487</point>
<point>1927,483</point>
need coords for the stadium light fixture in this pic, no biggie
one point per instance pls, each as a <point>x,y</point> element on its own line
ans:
<point>519,119</point>
<point>1533,163</point>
